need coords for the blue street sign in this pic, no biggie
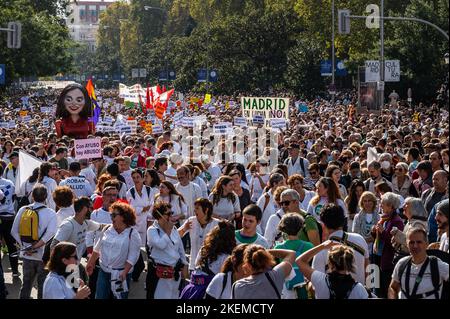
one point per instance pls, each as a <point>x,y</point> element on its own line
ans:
<point>341,70</point>
<point>162,75</point>
<point>2,74</point>
<point>201,75</point>
<point>325,68</point>
<point>172,75</point>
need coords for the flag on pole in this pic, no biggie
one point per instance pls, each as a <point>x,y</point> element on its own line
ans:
<point>27,164</point>
<point>165,97</point>
<point>91,92</point>
<point>141,104</point>
<point>158,89</point>
<point>148,102</point>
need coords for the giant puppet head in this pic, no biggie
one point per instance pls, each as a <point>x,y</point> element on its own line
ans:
<point>74,107</point>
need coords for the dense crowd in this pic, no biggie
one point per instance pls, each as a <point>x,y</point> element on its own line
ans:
<point>339,204</point>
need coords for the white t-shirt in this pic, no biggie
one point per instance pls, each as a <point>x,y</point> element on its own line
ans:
<point>308,196</point>
<point>79,185</point>
<point>63,214</point>
<point>318,280</point>
<point>271,231</point>
<point>426,285</point>
<point>215,266</point>
<point>255,187</point>
<point>171,171</point>
<point>225,207</point>
<point>444,242</point>
<point>190,194</point>
<point>320,260</point>
<point>90,176</point>
<point>217,290</point>
<point>71,231</point>
<point>55,287</point>
<point>315,209</point>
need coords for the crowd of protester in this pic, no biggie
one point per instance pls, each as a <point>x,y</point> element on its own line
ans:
<point>354,206</point>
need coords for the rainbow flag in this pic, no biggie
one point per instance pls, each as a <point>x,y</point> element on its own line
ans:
<point>91,92</point>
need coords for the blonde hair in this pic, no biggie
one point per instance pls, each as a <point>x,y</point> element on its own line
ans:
<point>370,196</point>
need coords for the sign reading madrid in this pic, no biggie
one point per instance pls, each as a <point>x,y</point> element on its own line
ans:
<point>267,107</point>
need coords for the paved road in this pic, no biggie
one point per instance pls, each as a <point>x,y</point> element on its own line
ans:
<point>13,284</point>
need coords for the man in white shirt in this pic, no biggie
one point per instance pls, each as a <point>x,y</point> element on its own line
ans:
<point>77,183</point>
<point>32,252</point>
<point>190,191</point>
<point>333,219</point>
<point>125,170</point>
<point>295,163</point>
<point>212,173</point>
<point>425,274</point>
<point>75,228</point>
<point>175,161</point>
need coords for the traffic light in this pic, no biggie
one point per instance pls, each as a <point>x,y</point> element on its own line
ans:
<point>344,21</point>
<point>14,35</point>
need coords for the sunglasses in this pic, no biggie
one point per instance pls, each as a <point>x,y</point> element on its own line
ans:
<point>286,202</point>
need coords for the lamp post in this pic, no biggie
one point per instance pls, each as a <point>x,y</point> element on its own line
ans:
<point>166,16</point>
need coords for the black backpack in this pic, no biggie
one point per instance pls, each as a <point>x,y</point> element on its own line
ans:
<point>133,192</point>
<point>405,268</point>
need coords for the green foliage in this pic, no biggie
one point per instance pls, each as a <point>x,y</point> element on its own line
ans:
<point>46,46</point>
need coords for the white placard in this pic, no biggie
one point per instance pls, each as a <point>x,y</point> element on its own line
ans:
<point>391,71</point>
<point>88,148</point>
<point>278,123</point>
<point>157,129</point>
<point>240,121</point>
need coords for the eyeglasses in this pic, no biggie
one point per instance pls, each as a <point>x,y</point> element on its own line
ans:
<point>286,202</point>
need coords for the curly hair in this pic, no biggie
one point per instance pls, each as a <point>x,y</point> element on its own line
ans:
<point>341,258</point>
<point>220,240</point>
<point>126,211</point>
<point>63,196</point>
<point>217,191</point>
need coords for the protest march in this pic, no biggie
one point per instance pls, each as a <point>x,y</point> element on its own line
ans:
<point>268,186</point>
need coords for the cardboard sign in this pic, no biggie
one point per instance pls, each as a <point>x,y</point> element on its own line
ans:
<point>178,117</point>
<point>88,148</point>
<point>45,123</point>
<point>222,129</point>
<point>258,119</point>
<point>108,120</point>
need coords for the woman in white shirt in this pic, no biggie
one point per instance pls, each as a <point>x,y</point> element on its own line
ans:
<point>168,194</point>
<point>225,201</point>
<point>166,257</point>
<point>195,178</point>
<point>295,182</point>
<point>367,218</point>
<point>140,197</point>
<point>118,250</point>
<point>63,256</point>
<point>63,197</point>
<point>198,227</point>
<point>231,271</point>
<point>218,245</point>
<point>338,283</point>
<point>335,173</point>
<point>327,192</point>
<point>47,173</point>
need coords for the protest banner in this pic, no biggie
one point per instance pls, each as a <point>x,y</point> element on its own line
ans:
<point>223,129</point>
<point>258,119</point>
<point>278,123</point>
<point>157,129</point>
<point>88,148</point>
<point>240,121</point>
<point>267,107</point>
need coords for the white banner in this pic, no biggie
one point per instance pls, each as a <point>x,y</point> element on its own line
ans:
<point>391,71</point>
<point>240,121</point>
<point>278,123</point>
<point>27,164</point>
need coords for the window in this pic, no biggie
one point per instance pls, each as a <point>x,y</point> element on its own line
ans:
<point>82,12</point>
<point>93,13</point>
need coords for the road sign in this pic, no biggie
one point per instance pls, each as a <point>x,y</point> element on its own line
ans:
<point>344,21</point>
<point>142,73</point>
<point>212,75</point>
<point>172,75</point>
<point>14,36</point>
<point>134,73</point>
<point>2,74</point>
<point>325,68</point>
<point>163,75</point>
<point>201,75</point>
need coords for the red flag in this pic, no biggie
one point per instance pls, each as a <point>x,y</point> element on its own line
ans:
<point>165,97</point>
<point>158,89</point>
<point>147,99</point>
<point>152,101</point>
<point>142,104</point>
<point>164,89</point>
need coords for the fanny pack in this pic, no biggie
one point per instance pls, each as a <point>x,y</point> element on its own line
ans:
<point>164,272</point>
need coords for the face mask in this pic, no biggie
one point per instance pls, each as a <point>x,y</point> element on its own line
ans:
<point>385,165</point>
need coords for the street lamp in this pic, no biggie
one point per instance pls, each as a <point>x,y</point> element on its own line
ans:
<point>164,11</point>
